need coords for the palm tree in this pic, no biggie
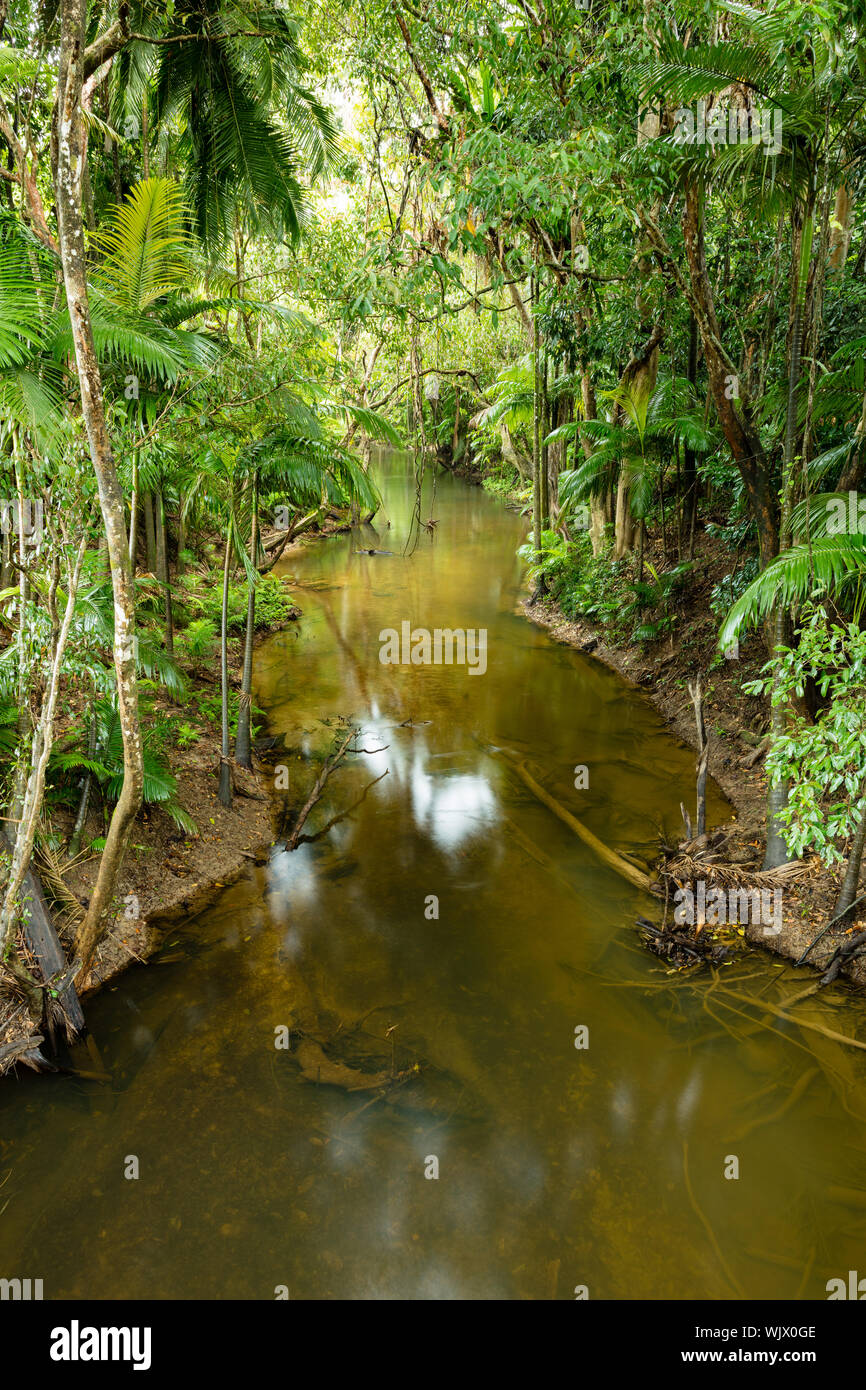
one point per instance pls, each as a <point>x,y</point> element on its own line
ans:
<point>639,440</point>
<point>220,488</point>
<point>230,111</point>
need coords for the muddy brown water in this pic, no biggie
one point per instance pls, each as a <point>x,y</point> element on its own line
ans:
<point>558,1167</point>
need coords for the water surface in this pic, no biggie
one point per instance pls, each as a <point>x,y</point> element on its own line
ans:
<point>558,1167</point>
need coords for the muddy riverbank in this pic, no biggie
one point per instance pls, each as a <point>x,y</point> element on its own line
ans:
<point>736,727</point>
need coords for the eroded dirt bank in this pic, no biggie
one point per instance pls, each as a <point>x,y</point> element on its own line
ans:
<point>736,726</point>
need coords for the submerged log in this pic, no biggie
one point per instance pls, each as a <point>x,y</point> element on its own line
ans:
<point>609,856</point>
<point>42,939</point>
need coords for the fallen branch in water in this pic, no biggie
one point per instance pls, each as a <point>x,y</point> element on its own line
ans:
<point>308,839</point>
<point>609,856</point>
<point>800,1022</point>
<point>329,766</point>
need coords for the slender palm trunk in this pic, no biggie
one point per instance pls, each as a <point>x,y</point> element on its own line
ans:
<point>777,852</point>
<point>225,788</point>
<point>69,163</point>
<point>149,532</point>
<point>162,572</point>
<point>243,743</point>
<point>133,516</point>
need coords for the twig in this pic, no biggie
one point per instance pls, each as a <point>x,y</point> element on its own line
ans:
<point>328,766</point>
<point>824,930</point>
<point>308,839</point>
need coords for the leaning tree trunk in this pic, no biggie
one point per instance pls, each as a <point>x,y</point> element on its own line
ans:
<point>43,741</point>
<point>243,742</point>
<point>70,135</point>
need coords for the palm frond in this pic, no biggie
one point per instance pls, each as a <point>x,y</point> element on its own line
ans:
<point>829,562</point>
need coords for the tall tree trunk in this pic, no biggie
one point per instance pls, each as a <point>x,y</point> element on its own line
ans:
<point>162,572</point>
<point>545,451</point>
<point>537,520</point>
<point>149,532</point>
<point>133,516</point>
<point>225,787</point>
<point>690,472</point>
<point>777,852</point>
<point>848,892</point>
<point>243,742</point>
<point>840,237</point>
<point>69,163</point>
<point>734,410</point>
<point>31,809</point>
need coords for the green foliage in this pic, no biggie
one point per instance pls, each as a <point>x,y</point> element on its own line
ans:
<point>824,761</point>
<point>834,562</point>
<point>199,639</point>
<point>274,608</point>
<point>658,594</point>
<point>584,585</point>
<point>144,248</point>
<point>732,586</point>
<point>160,784</point>
<point>248,128</point>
